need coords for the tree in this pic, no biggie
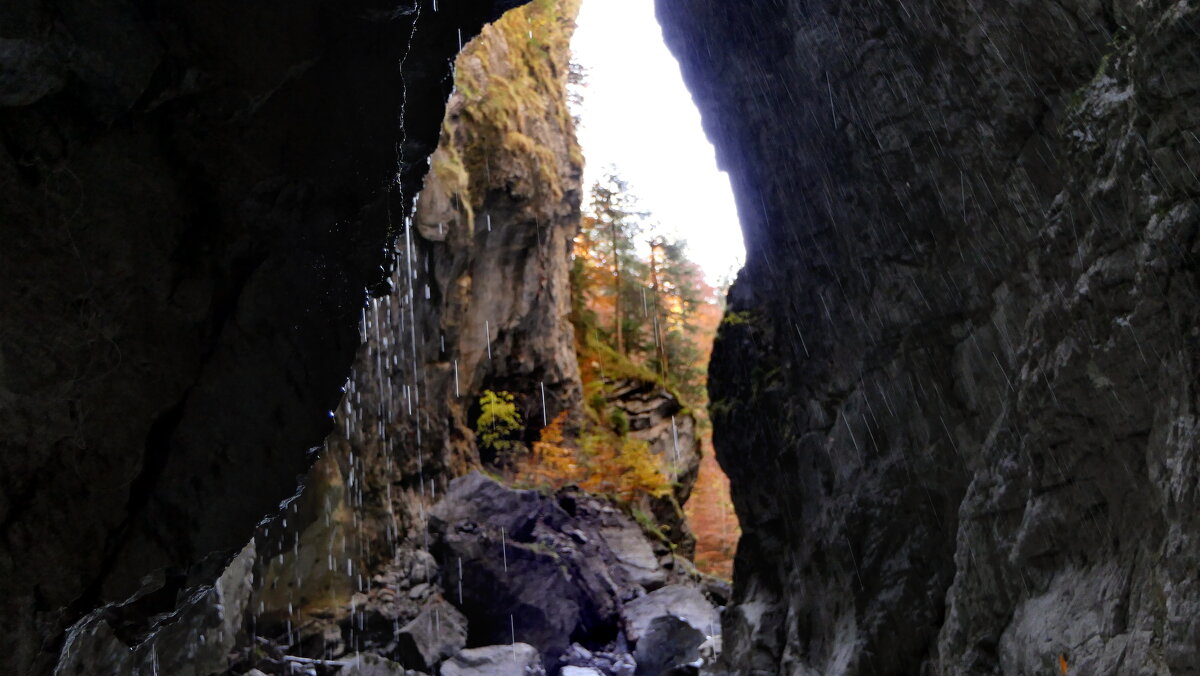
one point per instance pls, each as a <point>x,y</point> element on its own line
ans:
<point>660,327</point>
<point>609,227</point>
<point>680,294</point>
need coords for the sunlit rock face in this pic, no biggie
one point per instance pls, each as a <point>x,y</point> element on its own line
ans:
<point>193,197</point>
<point>954,393</point>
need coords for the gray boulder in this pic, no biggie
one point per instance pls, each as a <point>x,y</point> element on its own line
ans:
<point>669,647</point>
<point>519,562</point>
<point>436,633</point>
<point>517,659</point>
<point>580,671</point>
<point>685,603</point>
<point>367,664</point>
<point>634,553</point>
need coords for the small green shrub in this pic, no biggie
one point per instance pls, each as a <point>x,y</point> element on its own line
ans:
<point>620,422</point>
<point>598,401</point>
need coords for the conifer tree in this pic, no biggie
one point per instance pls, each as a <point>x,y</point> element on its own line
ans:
<point>609,228</point>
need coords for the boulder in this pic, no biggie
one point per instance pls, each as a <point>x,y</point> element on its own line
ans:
<point>685,603</point>
<point>195,641</point>
<point>437,632</point>
<point>518,562</point>
<point>517,659</point>
<point>717,590</point>
<point>669,647</point>
<point>367,664</point>
<point>580,671</point>
<point>634,554</point>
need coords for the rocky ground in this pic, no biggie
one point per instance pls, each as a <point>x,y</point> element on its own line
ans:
<point>515,581</point>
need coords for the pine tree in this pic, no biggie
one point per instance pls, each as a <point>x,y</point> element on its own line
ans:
<point>679,292</point>
<point>609,228</point>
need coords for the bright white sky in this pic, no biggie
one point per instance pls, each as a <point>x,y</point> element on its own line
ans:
<point>638,115</point>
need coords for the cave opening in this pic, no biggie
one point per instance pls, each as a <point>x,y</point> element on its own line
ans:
<point>953,387</point>
<point>520,467</point>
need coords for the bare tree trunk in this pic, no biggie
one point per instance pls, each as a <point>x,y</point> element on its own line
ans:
<point>660,347</point>
<point>617,289</point>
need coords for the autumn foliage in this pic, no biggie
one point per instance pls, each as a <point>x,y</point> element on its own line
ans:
<point>600,462</point>
<point>711,516</point>
<point>649,313</point>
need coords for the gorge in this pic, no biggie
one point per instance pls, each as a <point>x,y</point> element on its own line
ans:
<point>952,389</point>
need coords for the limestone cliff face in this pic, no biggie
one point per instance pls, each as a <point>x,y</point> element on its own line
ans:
<point>193,197</point>
<point>955,390</point>
<point>479,300</point>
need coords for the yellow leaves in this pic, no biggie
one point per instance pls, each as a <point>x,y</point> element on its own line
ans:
<point>498,419</point>
<point>639,472</point>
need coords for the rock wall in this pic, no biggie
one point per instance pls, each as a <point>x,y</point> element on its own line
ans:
<point>479,299</point>
<point>954,390</point>
<point>657,417</point>
<point>193,198</point>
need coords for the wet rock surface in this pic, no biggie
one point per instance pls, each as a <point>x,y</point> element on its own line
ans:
<point>192,199</point>
<point>436,633</point>
<point>954,390</point>
<point>478,300</point>
<point>193,636</point>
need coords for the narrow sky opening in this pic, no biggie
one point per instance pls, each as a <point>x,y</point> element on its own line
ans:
<point>637,115</point>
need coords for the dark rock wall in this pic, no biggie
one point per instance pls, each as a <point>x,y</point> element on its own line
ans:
<point>954,391</point>
<point>193,198</point>
<point>479,299</point>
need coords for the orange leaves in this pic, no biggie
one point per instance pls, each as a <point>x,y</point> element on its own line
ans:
<point>550,464</point>
<point>712,518</point>
<point>600,462</point>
